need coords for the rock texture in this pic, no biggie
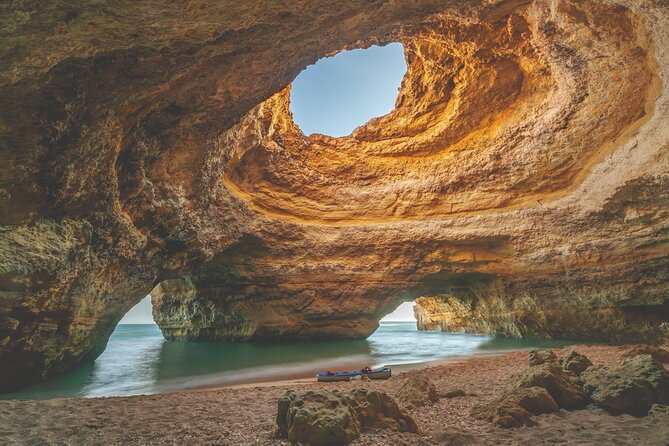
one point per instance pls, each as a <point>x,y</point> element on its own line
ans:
<point>631,387</point>
<point>324,418</point>
<point>519,186</point>
<point>562,385</point>
<point>575,362</point>
<point>547,385</point>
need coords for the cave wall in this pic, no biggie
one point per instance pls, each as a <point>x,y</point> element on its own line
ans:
<point>150,144</point>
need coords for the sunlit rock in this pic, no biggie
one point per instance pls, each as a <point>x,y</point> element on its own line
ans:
<point>522,173</point>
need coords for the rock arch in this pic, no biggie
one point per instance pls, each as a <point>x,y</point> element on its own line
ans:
<point>528,153</point>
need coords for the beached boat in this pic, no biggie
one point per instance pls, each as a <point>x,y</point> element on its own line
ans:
<point>383,373</point>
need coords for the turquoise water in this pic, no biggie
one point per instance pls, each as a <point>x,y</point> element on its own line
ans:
<point>138,360</point>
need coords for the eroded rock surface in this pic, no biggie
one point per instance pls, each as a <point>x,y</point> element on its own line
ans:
<point>575,362</point>
<point>327,418</point>
<point>631,387</point>
<point>550,383</point>
<point>520,184</point>
<point>561,384</point>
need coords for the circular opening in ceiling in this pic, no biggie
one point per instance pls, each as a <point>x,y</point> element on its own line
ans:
<point>337,94</point>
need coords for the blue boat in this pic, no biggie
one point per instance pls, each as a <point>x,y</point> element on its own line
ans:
<point>382,373</point>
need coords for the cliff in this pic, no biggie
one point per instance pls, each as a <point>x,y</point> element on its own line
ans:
<point>149,146</point>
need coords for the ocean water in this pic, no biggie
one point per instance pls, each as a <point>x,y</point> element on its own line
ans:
<point>138,360</point>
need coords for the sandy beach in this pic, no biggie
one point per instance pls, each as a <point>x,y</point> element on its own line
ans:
<point>245,414</point>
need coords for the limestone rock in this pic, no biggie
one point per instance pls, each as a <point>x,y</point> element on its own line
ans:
<point>511,190</point>
<point>324,418</point>
<point>417,391</point>
<point>575,362</point>
<point>631,387</point>
<point>538,357</point>
<point>562,385</point>
<point>658,353</point>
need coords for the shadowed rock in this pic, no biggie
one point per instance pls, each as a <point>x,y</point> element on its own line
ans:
<point>563,385</point>
<point>330,418</point>
<point>574,362</point>
<point>631,387</point>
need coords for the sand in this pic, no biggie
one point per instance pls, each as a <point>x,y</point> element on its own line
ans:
<point>244,415</point>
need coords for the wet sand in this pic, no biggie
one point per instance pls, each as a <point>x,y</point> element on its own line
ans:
<point>244,414</point>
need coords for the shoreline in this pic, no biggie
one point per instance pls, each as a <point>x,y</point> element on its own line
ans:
<point>245,414</point>
<point>397,369</point>
<point>294,368</point>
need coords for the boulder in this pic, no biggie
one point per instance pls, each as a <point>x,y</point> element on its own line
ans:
<point>563,385</point>
<point>417,391</point>
<point>325,418</point>
<point>574,362</point>
<point>515,407</point>
<point>535,400</point>
<point>317,418</point>
<point>378,410</point>
<point>658,353</point>
<point>511,416</point>
<point>631,387</point>
<point>538,357</point>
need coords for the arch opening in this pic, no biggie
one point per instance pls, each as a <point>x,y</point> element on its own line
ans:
<point>140,313</point>
<point>337,94</point>
<point>403,313</point>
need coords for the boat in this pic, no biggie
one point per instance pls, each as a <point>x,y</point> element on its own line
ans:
<point>382,373</point>
<point>330,376</point>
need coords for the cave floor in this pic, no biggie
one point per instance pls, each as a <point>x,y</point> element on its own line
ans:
<point>245,415</point>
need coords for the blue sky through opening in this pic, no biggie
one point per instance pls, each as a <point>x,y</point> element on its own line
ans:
<point>339,93</point>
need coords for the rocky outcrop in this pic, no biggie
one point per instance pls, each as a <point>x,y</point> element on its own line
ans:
<point>521,178</point>
<point>547,385</point>
<point>575,362</point>
<point>326,418</point>
<point>638,386</point>
<point>562,385</point>
<point>631,387</point>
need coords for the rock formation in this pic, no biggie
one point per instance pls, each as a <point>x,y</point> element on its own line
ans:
<point>631,387</point>
<point>520,184</point>
<point>638,386</point>
<point>331,418</point>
